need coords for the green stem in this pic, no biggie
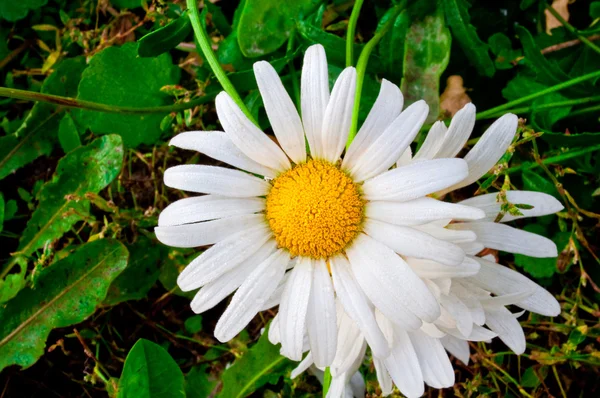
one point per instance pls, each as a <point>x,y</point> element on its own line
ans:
<point>595,108</point>
<point>553,159</point>
<point>210,56</point>
<point>361,68</point>
<point>351,32</point>
<point>527,109</point>
<point>572,29</point>
<point>326,381</point>
<point>530,97</point>
<point>67,102</point>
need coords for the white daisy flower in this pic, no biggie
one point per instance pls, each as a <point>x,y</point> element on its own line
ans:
<point>311,212</point>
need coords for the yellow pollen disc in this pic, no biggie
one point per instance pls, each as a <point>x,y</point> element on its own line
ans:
<point>314,209</point>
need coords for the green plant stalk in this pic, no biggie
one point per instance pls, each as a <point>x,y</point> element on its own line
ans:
<point>351,32</point>
<point>530,97</point>
<point>553,159</point>
<point>572,29</point>
<point>326,381</point>
<point>68,102</point>
<point>208,53</point>
<point>595,108</point>
<point>361,69</point>
<point>527,109</point>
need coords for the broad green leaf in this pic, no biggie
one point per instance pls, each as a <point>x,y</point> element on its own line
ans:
<point>61,200</point>
<point>197,382</point>
<point>12,284</point>
<point>38,133</point>
<point>533,181</point>
<point>262,364</point>
<point>150,372</point>
<point>595,9</point>
<point>123,4</point>
<point>65,293</point>
<point>107,81</point>
<point>537,267</point>
<point>571,140</point>
<point>193,324</point>
<point>531,376</point>
<point>1,211</point>
<point>266,24</point>
<point>68,136</point>
<point>15,10</point>
<point>166,37</point>
<point>457,17</point>
<point>170,268</point>
<point>141,273</point>
<point>502,47</point>
<point>218,18</point>
<point>391,47</point>
<point>426,55</point>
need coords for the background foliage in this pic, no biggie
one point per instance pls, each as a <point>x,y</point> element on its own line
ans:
<point>88,300</point>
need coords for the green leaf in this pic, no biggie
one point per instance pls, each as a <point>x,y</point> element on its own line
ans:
<point>531,378</point>
<point>457,17</point>
<point>426,55</point>
<point>68,136</point>
<point>150,372</point>
<point>126,4</point>
<point>197,383</point>
<point>14,10</point>
<point>193,324</point>
<point>537,267</point>
<point>571,140</point>
<point>165,38</point>
<point>65,293</point>
<point>12,284</point>
<point>37,134</point>
<point>107,81</point>
<point>61,200</point>
<point>262,364</point>
<point>595,9</point>
<point>141,273</point>
<point>502,47</point>
<point>532,181</point>
<point>218,18</point>
<point>391,47</point>
<point>266,24</point>
<point>1,211</point>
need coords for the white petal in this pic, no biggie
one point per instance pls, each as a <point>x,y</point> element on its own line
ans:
<point>383,377</point>
<point>489,149</point>
<point>447,234</point>
<point>420,211</point>
<point>207,207</point>
<point>314,96</point>
<point>292,310</point>
<point>207,232</point>
<point>350,343</point>
<point>215,180</point>
<point>222,257</point>
<point>504,300</point>
<point>415,180</point>
<point>273,336</point>
<point>502,280</point>
<point>386,108</point>
<point>411,242</point>
<point>403,366</point>
<point>543,204</point>
<point>213,293</point>
<point>275,298</point>
<point>460,313</point>
<point>251,295</point>
<point>218,145</point>
<point>247,137</point>
<point>457,347</point>
<point>432,143</point>
<point>321,316</point>
<point>435,364</point>
<point>302,366</point>
<point>357,305</point>
<point>357,384</point>
<point>472,248</point>
<point>390,284</point>
<point>509,330</point>
<point>458,133</point>
<point>405,158</point>
<point>506,238</point>
<point>338,115</point>
<point>431,330</point>
<point>281,111</point>
<point>388,147</point>
<point>433,269</point>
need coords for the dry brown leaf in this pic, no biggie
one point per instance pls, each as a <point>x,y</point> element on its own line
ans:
<point>454,96</point>
<point>562,8</point>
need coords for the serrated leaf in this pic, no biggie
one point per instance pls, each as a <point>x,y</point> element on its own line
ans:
<point>265,25</point>
<point>65,293</point>
<point>141,273</point>
<point>14,10</point>
<point>260,365</point>
<point>166,37</point>
<point>150,372</point>
<point>107,81</point>
<point>38,133</point>
<point>457,17</point>
<point>61,200</point>
<point>426,55</point>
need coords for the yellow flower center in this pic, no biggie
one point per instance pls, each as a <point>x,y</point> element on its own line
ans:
<point>314,209</point>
